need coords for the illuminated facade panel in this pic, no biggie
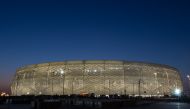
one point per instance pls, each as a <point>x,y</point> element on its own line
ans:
<point>99,77</point>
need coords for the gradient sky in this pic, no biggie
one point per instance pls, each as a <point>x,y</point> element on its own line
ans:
<point>32,32</point>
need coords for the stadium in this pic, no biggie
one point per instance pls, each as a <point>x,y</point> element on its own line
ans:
<point>101,77</point>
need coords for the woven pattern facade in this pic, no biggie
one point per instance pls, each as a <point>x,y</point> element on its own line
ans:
<point>99,77</point>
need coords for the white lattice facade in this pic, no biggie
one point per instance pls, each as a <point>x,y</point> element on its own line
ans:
<point>99,77</point>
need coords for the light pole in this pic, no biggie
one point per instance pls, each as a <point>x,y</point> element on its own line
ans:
<point>63,78</point>
<point>177,92</point>
<point>139,86</point>
<point>156,81</point>
<point>188,91</point>
<point>133,88</point>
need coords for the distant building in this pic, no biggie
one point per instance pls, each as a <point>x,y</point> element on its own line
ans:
<point>98,77</point>
<point>187,86</point>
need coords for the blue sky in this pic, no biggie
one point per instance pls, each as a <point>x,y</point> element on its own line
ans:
<point>43,31</point>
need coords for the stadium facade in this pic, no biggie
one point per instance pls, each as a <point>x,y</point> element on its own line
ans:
<point>101,77</point>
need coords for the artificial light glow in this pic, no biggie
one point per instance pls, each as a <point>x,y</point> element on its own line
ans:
<point>188,76</point>
<point>107,96</point>
<point>177,92</point>
<point>4,94</point>
<point>61,71</point>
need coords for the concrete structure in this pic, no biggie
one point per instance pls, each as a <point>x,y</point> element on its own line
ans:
<point>99,77</point>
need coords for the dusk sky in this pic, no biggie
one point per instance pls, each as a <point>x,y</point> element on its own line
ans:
<point>31,32</point>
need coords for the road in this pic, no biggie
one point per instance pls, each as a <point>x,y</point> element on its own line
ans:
<point>171,105</point>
